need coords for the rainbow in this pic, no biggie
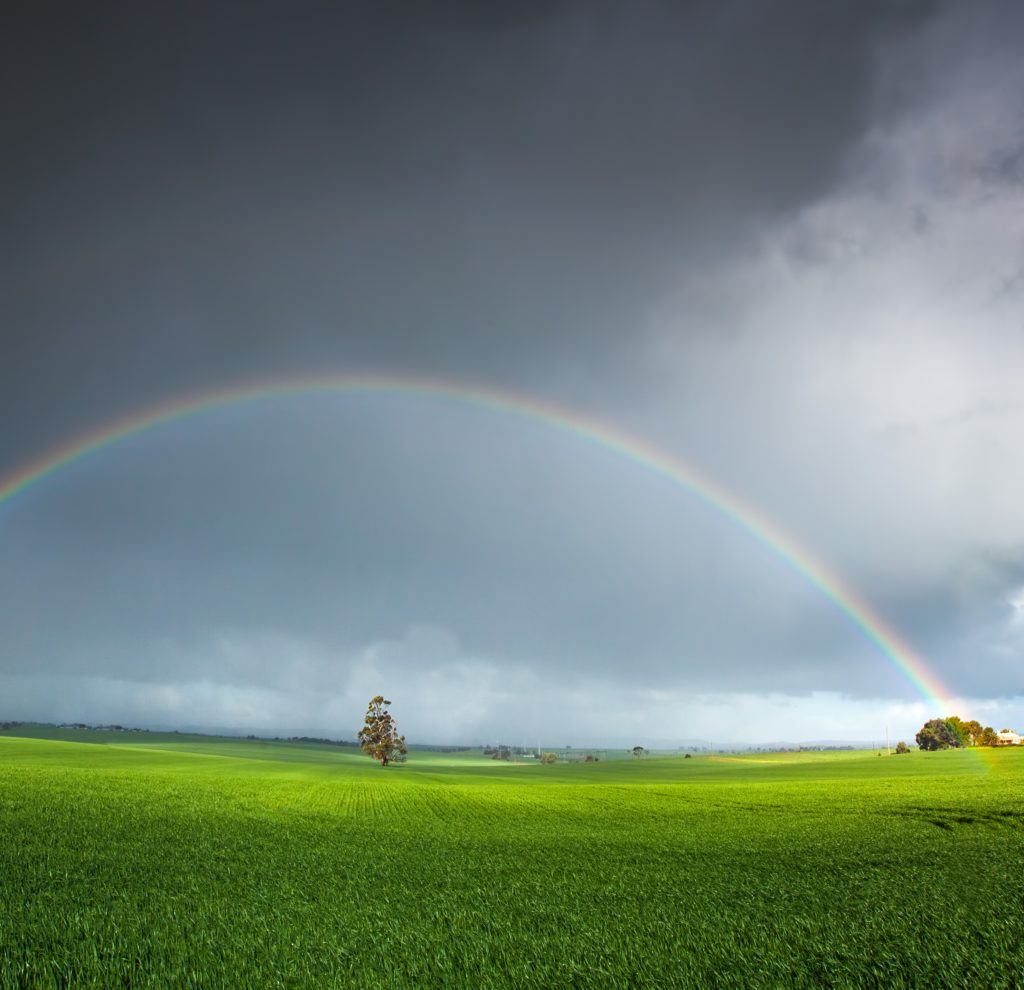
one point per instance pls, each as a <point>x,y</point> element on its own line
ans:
<point>854,608</point>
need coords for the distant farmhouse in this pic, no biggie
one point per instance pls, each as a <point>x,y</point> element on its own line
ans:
<point>1008,738</point>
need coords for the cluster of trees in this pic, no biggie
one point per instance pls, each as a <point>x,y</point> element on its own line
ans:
<point>953,733</point>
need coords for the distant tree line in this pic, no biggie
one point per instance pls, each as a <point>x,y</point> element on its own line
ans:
<point>431,748</point>
<point>7,725</point>
<point>317,739</point>
<point>503,752</point>
<point>818,749</point>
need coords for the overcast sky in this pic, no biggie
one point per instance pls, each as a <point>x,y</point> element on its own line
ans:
<point>783,243</point>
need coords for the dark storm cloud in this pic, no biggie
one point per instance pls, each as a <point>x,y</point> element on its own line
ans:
<point>199,193</point>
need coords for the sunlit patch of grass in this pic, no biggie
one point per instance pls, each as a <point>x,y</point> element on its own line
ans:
<point>254,864</point>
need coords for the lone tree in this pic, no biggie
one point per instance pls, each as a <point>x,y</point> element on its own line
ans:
<point>378,737</point>
<point>638,751</point>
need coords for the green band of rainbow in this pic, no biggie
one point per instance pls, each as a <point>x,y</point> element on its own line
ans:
<point>849,604</point>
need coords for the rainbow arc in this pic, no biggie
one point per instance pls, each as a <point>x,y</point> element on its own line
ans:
<point>852,606</point>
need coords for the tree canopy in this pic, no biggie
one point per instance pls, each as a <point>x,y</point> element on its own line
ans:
<point>937,733</point>
<point>379,736</point>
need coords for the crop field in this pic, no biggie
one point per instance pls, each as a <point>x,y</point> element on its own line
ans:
<point>155,861</point>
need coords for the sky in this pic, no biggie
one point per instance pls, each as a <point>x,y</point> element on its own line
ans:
<point>782,245</point>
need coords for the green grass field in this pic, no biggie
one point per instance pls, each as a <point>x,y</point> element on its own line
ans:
<point>155,861</point>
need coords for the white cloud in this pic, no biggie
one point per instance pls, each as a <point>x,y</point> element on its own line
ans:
<point>857,374</point>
